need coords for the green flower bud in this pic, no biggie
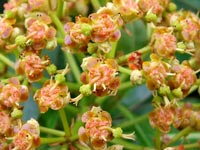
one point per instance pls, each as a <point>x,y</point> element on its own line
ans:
<point>181,45</point>
<point>86,29</point>
<point>86,90</point>
<point>164,90</point>
<point>178,93</point>
<point>60,78</point>
<point>20,40</point>
<point>172,7</point>
<point>177,26</point>
<point>51,44</point>
<point>117,133</point>
<point>92,48</point>
<point>9,14</point>
<point>16,113</point>
<point>51,69</point>
<point>151,17</point>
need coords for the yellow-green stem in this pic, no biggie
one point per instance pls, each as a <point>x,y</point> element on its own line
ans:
<point>53,140</point>
<point>52,131</point>
<point>96,5</point>
<point>64,122</point>
<point>7,61</point>
<point>59,9</point>
<point>179,135</point>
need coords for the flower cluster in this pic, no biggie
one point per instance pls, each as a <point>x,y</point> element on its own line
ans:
<point>22,136</point>
<point>180,117</point>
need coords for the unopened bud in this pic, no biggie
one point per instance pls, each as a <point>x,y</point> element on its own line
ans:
<point>20,40</point>
<point>16,113</point>
<point>172,7</point>
<point>51,69</point>
<point>151,17</point>
<point>60,78</point>
<point>164,90</point>
<point>178,93</point>
<point>86,29</point>
<point>9,14</point>
<point>86,90</point>
<point>136,77</point>
<point>117,133</point>
<point>92,48</point>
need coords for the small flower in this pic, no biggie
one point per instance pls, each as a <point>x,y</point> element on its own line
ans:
<point>101,74</point>
<point>32,66</point>
<point>5,122</point>
<point>162,118</point>
<point>163,42</point>
<point>13,93</point>
<point>128,9</point>
<point>184,77</point>
<point>52,95</point>
<point>155,72</point>
<point>135,61</point>
<point>28,136</point>
<point>95,132</point>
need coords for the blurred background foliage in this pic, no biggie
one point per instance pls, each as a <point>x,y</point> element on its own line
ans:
<point>136,100</point>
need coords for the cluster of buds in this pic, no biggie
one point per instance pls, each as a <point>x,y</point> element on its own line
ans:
<point>99,28</point>
<point>180,117</point>
<point>98,131</point>
<point>54,94</point>
<point>101,75</point>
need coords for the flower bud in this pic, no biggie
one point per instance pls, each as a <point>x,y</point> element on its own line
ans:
<point>9,14</point>
<point>51,44</point>
<point>86,90</point>
<point>16,113</point>
<point>60,78</point>
<point>178,93</point>
<point>92,48</point>
<point>86,29</point>
<point>51,69</point>
<point>136,77</point>
<point>20,40</point>
<point>151,17</point>
<point>117,133</point>
<point>172,7</point>
<point>164,90</point>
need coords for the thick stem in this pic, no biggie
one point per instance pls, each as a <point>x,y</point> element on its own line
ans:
<point>182,133</point>
<point>111,54</point>
<point>52,131</point>
<point>53,140</point>
<point>7,61</point>
<point>157,140</point>
<point>125,70</point>
<point>59,10</point>
<point>64,122</point>
<point>96,5</point>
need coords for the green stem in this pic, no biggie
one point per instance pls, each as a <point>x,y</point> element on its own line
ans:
<point>53,140</point>
<point>52,131</point>
<point>96,5</point>
<point>59,10</point>
<point>192,146</point>
<point>60,40</point>
<point>73,66</point>
<point>157,140</point>
<point>57,22</point>
<point>125,70</point>
<point>125,85</point>
<point>7,61</point>
<point>73,86</point>
<point>81,147</point>
<point>143,50</point>
<point>182,133</point>
<point>64,121</point>
<point>137,120</point>
<point>20,78</point>
<point>111,54</point>
<point>127,145</point>
<point>137,128</point>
